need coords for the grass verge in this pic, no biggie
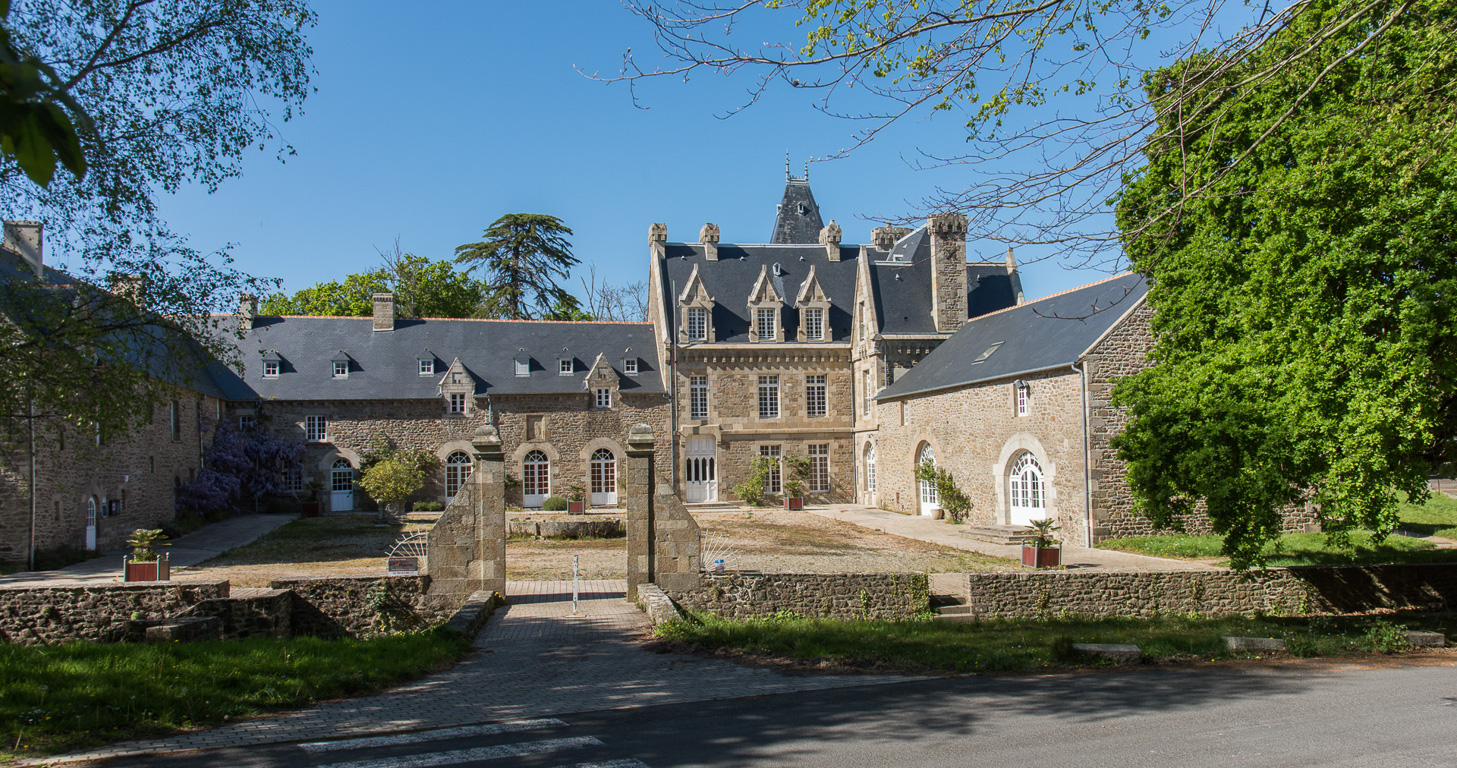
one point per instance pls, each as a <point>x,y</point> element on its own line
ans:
<point>65,697</point>
<point>1006,645</point>
<point>1437,517</point>
<point>1293,549</point>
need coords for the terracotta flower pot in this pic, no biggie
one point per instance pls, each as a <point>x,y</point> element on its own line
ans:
<point>576,507</point>
<point>151,570</point>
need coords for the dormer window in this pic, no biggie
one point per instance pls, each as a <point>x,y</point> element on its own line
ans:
<point>341,369</point>
<point>764,323</point>
<point>696,324</point>
<point>427,366</point>
<point>270,369</point>
<point>565,367</point>
<point>814,324</point>
<point>523,366</point>
<point>629,366</point>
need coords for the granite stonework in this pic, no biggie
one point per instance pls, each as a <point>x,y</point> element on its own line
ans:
<point>887,596</point>
<point>467,544</point>
<point>1305,590</point>
<point>358,606</point>
<point>663,540</point>
<point>59,614</point>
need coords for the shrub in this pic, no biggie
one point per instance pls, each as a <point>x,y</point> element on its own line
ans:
<point>554,504</point>
<point>429,506</point>
<point>954,502</point>
<point>1385,637</point>
<point>751,491</point>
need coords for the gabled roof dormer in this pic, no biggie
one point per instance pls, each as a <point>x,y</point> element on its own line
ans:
<point>814,310</point>
<point>457,381</point>
<point>425,363</point>
<point>522,364</point>
<point>602,377</point>
<point>766,303</point>
<point>340,364</point>
<point>566,365</point>
<point>631,363</point>
<point>695,310</point>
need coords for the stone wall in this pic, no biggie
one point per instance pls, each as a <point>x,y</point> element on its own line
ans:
<point>58,614</point>
<point>355,606</point>
<point>1302,590</point>
<point>817,595</point>
<point>137,469</point>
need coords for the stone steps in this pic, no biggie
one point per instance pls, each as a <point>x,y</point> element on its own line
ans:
<point>950,607</point>
<point>999,534</point>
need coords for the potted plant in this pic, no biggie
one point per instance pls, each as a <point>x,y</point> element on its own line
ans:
<point>794,485</point>
<point>144,563</point>
<point>1042,551</point>
<point>576,500</point>
<point>312,489</point>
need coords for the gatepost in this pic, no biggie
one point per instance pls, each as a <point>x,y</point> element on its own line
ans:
<point>467,546</point>
<point>662,538</point>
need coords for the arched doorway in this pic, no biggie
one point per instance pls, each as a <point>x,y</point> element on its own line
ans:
<point>1028,494</point>
<point>930,500</point>
<point>870,473</point>
<point>91,522</point>
<point>457,471</point>
<point>341,486</point>
<point>535,479</point>
<point>604,478</point>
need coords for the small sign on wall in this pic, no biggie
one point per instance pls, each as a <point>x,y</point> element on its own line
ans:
<point>403,566</point>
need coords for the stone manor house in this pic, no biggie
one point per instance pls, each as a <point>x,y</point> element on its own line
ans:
<point>867,359</point>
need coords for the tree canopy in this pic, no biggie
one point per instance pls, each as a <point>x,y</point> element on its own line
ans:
<point>422,288</point>
<point>1305,298</point>
<point>523,255</point>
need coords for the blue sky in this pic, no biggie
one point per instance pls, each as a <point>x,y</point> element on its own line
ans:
<point>429,124</point>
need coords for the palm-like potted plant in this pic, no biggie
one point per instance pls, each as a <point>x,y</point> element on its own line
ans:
<point>576,500</point>
<point>312,490</point>
<point>1042,550</point>
<point>145,563</point>
<point>794,485</point>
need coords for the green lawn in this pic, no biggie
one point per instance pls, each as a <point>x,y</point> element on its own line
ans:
<point>1005,645</point>
<point>1438,517</point>
<point>58,698</point>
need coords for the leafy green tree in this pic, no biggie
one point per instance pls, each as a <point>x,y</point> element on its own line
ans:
<point>422,288</point>
<point>160,93</point>
<point>523,255</point>
<point>1306,297</point>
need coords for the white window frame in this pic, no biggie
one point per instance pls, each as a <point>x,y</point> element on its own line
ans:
<point>769,397</point>
<point>1023,393</point>
<point>697,397</point>
<point>341,369</point>
<point>270,369</point>
<point>775,483</point>
<point>695,324</point>
<point>316,429</point>
<point>629,366</point>
<point>814,324</point>
<point>536,475</point>
<point>457,402</point>
<point>427,367</point>
<point>930,497</point>
<point>247,421</point>
<point>604,397</point>
<point>565,366</point>
<point>764,323</point>
<point>458,467</point>
<point>816,395</point>
<point>819,467</point>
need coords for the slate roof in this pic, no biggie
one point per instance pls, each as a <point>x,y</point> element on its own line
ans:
<point>730,280</point>
<point>1034,336</point>
<point>791,226</point>
<point>385,365</point>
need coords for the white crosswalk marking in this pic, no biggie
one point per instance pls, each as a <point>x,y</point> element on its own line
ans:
<point>468,755</point>
<point>512,726</point>
<point>628,763</point>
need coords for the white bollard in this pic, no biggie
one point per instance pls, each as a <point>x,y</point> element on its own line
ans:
<point>576,582</point>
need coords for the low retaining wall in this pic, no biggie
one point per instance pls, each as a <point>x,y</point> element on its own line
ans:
<point>817,595</point>
<point>338,606</point>
<point>58,614</point>
<point>1297,590</point>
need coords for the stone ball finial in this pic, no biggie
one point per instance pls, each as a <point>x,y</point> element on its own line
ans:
<point>486,436</point>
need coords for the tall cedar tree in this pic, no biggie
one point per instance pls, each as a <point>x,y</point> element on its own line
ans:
<point>1305,305</point>
<point>523,255</point>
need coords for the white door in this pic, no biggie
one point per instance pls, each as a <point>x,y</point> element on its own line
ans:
<point>457,471</point>
<point>1029,497</point>
<point>341,487</point>
<point>870,474</point>
<point>91,523</point>
<point>604,478</point>
<point>701,470</point>
<point>535,479</point>
<point>930,498</point>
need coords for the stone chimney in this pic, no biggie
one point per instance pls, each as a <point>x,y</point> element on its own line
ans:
<point>830,239</point>
<point>247,311</point>
<point>1015,276</point>
<point>384,311</point>
<point>129,287</point>
<point>658,240</point>
<point>948,271</point>
<point>708,236</point>
<point>23,238</point>
<point>883,238</point>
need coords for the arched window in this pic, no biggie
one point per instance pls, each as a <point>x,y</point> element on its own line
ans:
<point>1029,499</point>
<point>870,467</point>
<point>929,500</point>
<point>535,479</point>
<point>457,471</point>
<point>604,478</point>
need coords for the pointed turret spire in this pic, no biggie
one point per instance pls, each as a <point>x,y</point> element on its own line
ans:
<point>797,220</point>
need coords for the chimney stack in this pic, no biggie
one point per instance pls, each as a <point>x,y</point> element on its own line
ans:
<point>948,271</point>
<point>23,238</point>
<point>247,311</point>
<point>830,239</point>
<point>658,240</point>
<point>129,287</point>
<point>708,236</point>
<point>883,238</point>
<point>384,311</point>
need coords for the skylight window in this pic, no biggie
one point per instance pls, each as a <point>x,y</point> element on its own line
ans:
<point>988,353</point>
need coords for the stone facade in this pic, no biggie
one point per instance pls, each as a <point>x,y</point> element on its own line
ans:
<point>885,596</point>
<point>1291,591</point>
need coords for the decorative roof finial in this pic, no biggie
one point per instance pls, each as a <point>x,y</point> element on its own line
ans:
<point>786,165</point>
<point>806,170</point>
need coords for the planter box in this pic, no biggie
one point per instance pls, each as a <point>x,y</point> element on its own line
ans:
<point>1041,557</point>
<point>795,502</point>
<point>310,509</point>
<point>155,570</point>
<point>576,507</point>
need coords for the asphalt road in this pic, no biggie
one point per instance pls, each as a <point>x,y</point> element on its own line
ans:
<point>1295,715</point>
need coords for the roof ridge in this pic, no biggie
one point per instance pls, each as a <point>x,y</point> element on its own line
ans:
<point>1050,296</point>
<point>469,319</point>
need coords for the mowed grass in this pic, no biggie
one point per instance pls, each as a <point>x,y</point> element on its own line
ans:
<point>1437,517</point>
<point>1006,645</point>
<point>58,698</point>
